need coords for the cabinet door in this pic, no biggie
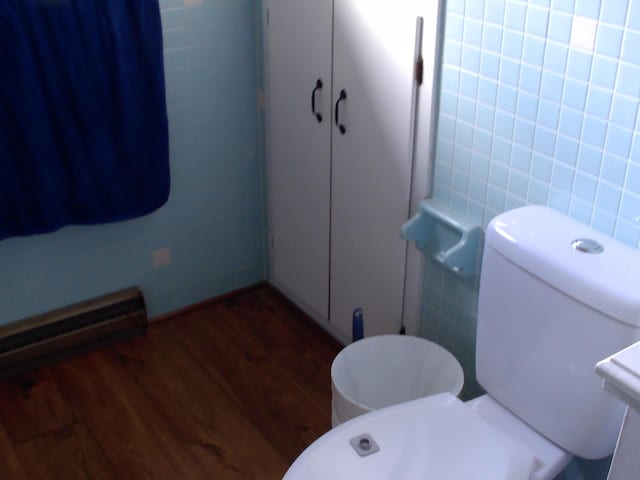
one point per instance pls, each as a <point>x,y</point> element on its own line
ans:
<point>298,54</point>
<point>374,47</point>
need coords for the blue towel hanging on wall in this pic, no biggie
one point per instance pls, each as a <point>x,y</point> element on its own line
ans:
<point>83,123</point>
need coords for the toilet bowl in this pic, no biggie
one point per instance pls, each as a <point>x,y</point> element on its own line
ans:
<point>436,437</point>
<point>549,458</point>
<point>555,298</point>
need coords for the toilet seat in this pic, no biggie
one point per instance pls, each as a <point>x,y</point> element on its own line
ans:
<point>430,438</point>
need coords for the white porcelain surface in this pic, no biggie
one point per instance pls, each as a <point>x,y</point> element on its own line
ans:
<point>549,458</point>
<point>537,345</point>
<point>621,373</point>
<point>385,370</point>
<point>435,437</point>
<point>539,240</point>
<point>626,461</point>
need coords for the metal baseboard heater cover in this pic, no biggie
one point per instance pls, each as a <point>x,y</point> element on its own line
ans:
<point>78,328</point>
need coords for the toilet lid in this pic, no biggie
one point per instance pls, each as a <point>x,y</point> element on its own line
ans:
<point>435,437</point>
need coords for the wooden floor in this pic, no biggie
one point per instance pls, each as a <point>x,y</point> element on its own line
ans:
<point>235,390</point>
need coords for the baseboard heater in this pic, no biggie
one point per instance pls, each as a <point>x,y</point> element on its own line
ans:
<point>78,328</point>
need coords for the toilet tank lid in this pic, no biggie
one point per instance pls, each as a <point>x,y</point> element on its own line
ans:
<point>540,240</point>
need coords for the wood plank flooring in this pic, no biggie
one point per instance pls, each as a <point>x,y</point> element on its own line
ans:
<point>234,390</point>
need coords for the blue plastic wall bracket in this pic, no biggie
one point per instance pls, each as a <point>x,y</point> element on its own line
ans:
<point>446,236</point>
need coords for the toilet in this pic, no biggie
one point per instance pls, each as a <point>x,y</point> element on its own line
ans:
<point>555,298</point>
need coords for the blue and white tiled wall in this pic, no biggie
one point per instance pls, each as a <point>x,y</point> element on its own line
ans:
<point>213,221</point>
<point>539,105</point>
<point>528,117</point>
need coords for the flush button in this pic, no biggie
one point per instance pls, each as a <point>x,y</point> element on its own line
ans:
<point>586,245</point>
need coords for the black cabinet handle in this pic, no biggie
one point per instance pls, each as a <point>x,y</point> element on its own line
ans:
<point>313,100</point>
<point>343,96</point>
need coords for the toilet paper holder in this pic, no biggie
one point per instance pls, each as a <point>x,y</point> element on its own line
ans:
<point>446,236</point>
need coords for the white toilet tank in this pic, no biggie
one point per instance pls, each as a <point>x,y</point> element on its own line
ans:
<point>547,313</point>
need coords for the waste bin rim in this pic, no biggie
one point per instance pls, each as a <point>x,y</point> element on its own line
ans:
<point>397,337</point>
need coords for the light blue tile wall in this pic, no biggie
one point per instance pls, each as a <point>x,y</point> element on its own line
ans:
<point>213,221</point>
<point>526,118</point>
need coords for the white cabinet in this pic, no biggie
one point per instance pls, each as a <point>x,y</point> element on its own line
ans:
<point>298,46</point>
<point>340,189</point>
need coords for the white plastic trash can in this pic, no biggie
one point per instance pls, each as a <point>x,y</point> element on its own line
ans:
<point>380,371</point>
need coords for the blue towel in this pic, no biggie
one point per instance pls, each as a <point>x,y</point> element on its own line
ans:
<point>83,122</point>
